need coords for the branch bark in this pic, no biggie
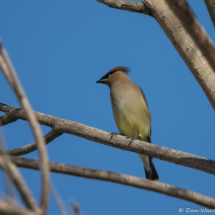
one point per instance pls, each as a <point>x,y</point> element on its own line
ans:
<point>120,179</point>
<point>118,141</point>
<point>181,40</point>
<point>16,178</point>
<point>6,119</point>
<point>33,146</point>
<point>194,29</point>
<point>211,9</point>
<point>10,74</point>
<point>131,6</point>
<point>8,209</point>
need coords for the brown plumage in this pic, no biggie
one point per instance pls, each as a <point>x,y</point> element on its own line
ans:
<point>130,111</point>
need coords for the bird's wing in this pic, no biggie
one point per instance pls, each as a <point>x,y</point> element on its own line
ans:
<point>144,97</point>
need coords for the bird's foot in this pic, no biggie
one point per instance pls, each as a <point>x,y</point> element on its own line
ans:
<point>132,139</point>
<point>113,134</point>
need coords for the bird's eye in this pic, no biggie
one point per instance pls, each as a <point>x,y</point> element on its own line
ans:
<point>106,76</point>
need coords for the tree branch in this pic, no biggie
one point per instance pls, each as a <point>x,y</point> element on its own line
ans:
<point>194,28</point>
<point>6,119</point>
<point>137,7</point>
<point>8,209</point>
<point>120,179</point>
<point>182,41</point>
<point>16,178</point>
<point>33,146</point>
<point>10,74</point>
<point>211,9</point>
<point>118,141</point>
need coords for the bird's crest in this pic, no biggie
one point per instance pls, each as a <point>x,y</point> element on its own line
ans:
<point>126,70</point>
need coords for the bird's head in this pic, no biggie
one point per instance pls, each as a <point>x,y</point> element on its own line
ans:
<point>114,75</point>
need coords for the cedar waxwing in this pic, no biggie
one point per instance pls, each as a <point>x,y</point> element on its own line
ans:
<point>130,110</point>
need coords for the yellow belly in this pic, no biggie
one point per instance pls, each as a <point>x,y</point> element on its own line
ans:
<point>134,124</point>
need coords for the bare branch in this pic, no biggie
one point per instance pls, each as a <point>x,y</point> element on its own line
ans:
<point>182,41</point>
<point>8,209</point>
<point>120,179</point>
<point>33,146</point>
<point>211,9</point>
<point>6,119</point>
<point>119,141</point>
<point>16,178</point>
<point>10,198</point>
<point>194,28</point>
<point>137,7</point>
<point>10,74</point>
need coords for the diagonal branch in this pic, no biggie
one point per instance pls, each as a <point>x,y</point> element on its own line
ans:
<point>8,209</point>
<point>6,119</point>
<point>194,28</point>
<point>118,141</point>
<point>120,179</point>
<point>211,9</point>
<point>137,7</point>
<point>33,146</point>
<point>181,40</point>
<point>10,74</point>
<point>16,178</point>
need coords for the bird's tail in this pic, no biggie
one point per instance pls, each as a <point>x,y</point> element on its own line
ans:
<point>149,167</point>
<point>152,173</point>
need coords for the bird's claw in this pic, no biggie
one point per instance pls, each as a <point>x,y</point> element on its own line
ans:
<point>113,134</point>
<point>132,139</point>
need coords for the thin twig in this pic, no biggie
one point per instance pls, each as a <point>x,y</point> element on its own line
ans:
<point>9,72</point>
<point>120,179</point>
<point>33,146</point>
<point>118,141</point>
<point>194,28</point>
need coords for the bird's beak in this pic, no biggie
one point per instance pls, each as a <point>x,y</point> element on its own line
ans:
<point>102,81</point>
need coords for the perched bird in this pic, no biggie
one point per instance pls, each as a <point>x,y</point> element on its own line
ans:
<point>130,110</point>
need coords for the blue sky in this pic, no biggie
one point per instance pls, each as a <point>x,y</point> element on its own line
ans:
<point>59,50</point>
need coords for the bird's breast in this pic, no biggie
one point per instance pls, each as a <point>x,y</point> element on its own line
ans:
<point>131,116</point>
